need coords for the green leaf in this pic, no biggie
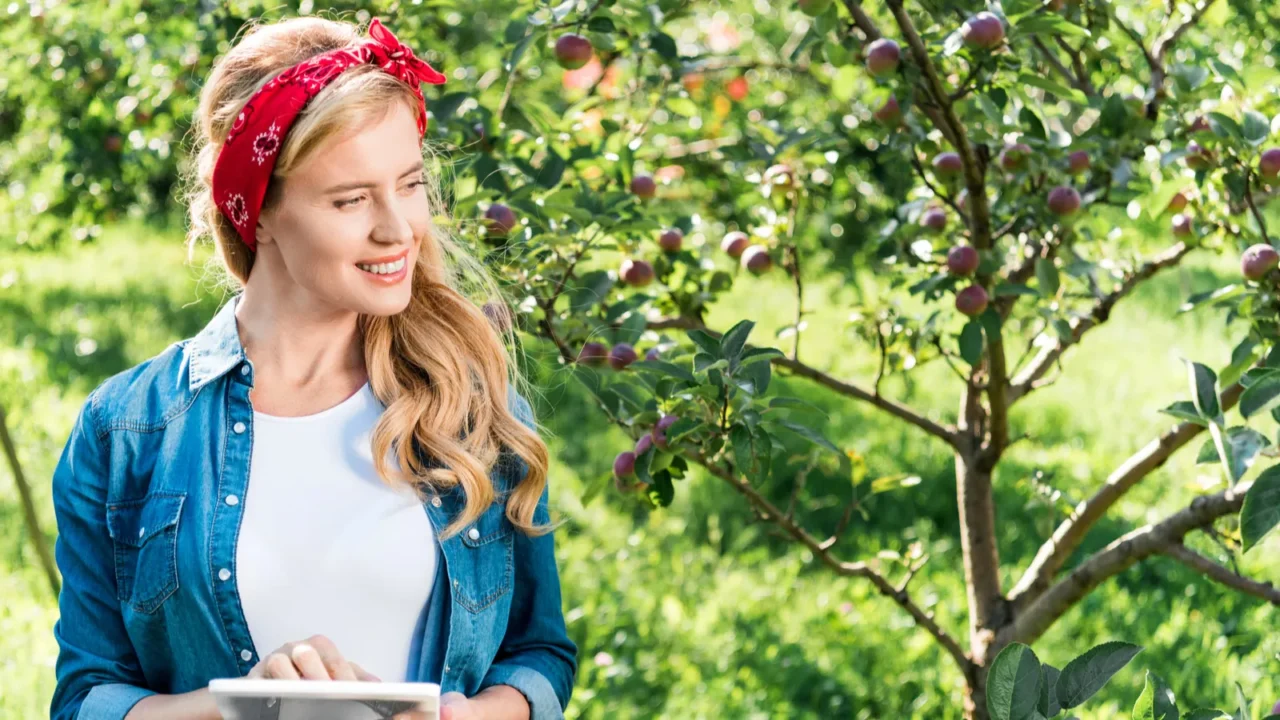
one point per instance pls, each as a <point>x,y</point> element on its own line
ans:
<point>1050,24</point>
<point>733,341</point>
<point>706,341</point>
<point>518,52</point>
<point>589,290</point>
<point>1245,712</point>
<point>756,377</point>
<point>601,24</point>
<point>1047,277</point>
<point>1261,395</point>
<point>893,482</point>
<point>1261,510</point>
<point>682,428</point>
<point>1114,118</point>
<point>664,45</point>
<point>662,367</point>
<point>809,434</point>
<point>1207,714</point>
<point>1204,391</point>
<point>1048,696</point>
<point>1013,684</point>
<point>971,342</point>
<point>1156,701</point>
<point>1006,289</point>
<point>1062,91</point>
<point>1255,128</point>
<point>1224,126</point>
<point>682,106</point>
<point>1185,410</point>
<point>1242,446</point>
<point>1087,674</point>
<point>1035,128</point>
<point>757,354</point>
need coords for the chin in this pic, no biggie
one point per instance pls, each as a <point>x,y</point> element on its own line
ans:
<point>386,303</point>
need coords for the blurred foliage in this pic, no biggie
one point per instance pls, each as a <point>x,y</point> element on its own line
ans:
<point>751,116</point>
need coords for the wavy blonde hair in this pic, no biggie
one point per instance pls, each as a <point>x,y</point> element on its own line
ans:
<point>440,367</point>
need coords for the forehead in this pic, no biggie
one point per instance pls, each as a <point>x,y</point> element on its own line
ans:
<point>382,145</point>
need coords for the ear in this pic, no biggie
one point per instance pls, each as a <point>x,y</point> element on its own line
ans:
<point>262,235</point>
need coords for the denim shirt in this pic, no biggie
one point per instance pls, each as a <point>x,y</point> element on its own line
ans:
<point>148,498</point>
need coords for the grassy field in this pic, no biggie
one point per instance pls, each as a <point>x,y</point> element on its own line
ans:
<point>692,612</point>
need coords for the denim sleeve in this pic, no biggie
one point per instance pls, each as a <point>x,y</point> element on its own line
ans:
<point>536,656</point>
<point>98,675</point>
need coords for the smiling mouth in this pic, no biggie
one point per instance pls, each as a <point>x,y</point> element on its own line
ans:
<point>387,268</point>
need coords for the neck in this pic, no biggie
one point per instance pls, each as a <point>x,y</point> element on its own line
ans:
<point>296,341</point>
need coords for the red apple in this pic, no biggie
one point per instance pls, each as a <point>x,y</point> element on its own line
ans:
<point>659,432</point>
<point>962,260</point>
<point>644,443</point>
<point>890,113</point>
<point>883,56</point>
<point>1064,201</point>
<point>499,315</point>
<point>644,187</point>
<point>737,88</point>
<point>972,300</point>
<point>933,219</point>
<point>113,143</point>
<point>653,354</point>
<point>1177,202</point>
<point>1181,225</point>
<point>948,165</point>
<point>636,273</point>
<point>500,220</point>
<point>692,81</point>
<point>1198,158</point>
<point>1259,260</point>
<point>983,30</point>
<point>670,240</point>
<point>780,175</point>
<point>624,465</point>
<point>593,353</point>
<point>734,243</point>
<point>1269,163</point>
<point>573,51</point>
<point>621,356</point>
<point>756,259</point>
<point>1014,157</point>
<point>1078,162</point>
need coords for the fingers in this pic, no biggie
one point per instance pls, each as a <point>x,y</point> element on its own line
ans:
<point>364,675</point>
<point>278,666</point>
<point>335,664</point>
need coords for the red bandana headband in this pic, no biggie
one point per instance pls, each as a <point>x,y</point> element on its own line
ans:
<point>248,157</point>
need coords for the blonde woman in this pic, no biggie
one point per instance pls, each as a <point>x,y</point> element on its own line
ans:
<point>333,480</point>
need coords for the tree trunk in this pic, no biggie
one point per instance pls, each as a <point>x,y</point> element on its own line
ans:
<point>975,696</point>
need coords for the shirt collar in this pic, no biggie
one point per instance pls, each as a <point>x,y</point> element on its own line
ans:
<point>216,349</point>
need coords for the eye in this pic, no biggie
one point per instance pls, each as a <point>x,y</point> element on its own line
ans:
<point>344,203</point>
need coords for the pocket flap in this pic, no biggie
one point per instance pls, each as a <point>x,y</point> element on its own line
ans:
<point>134,522</point>
<point>493,524</point>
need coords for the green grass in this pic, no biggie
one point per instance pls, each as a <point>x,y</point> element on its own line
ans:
<point>692,611</point>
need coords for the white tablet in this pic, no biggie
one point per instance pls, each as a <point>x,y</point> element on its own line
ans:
<point>259,699</point>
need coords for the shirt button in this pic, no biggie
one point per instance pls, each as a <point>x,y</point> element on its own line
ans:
<point>238,427</point>
<point>456,583</point>
<point>435,501</point>
<point>245,655</point>
<point>224,574</point>
<point>446,668</point>
<point>474,534</point>
<point>244,369</point>
<point>233,500</point>
<point>142,531</point>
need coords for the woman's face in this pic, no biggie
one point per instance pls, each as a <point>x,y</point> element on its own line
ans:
<point>351,219</point>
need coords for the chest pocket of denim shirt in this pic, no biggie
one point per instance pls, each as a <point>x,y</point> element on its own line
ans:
<point>490,567</point>
<point>145,536</point>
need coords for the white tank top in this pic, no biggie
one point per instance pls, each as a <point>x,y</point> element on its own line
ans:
<point>325,546</point>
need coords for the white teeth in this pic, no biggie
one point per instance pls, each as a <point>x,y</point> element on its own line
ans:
<point>383,268</point>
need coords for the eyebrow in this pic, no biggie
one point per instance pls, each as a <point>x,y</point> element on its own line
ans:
<point>358,185</point>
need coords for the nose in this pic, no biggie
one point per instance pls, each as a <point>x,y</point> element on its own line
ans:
<point>393,226</point>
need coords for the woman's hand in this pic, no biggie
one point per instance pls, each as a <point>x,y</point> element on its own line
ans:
<point>456,706</point>
<point>315,658</point>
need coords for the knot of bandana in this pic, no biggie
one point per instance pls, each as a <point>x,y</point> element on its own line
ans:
<point>248,156</point>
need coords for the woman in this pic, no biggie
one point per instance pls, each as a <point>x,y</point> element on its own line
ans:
<point>332,480</point>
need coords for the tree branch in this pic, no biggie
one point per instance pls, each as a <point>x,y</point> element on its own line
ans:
<point>1220,574</point>
<point>1070,533</point>
<point>1024,382</point>
<point>1040,615</point>
<point>849,569</point>
<point>898,410</point>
